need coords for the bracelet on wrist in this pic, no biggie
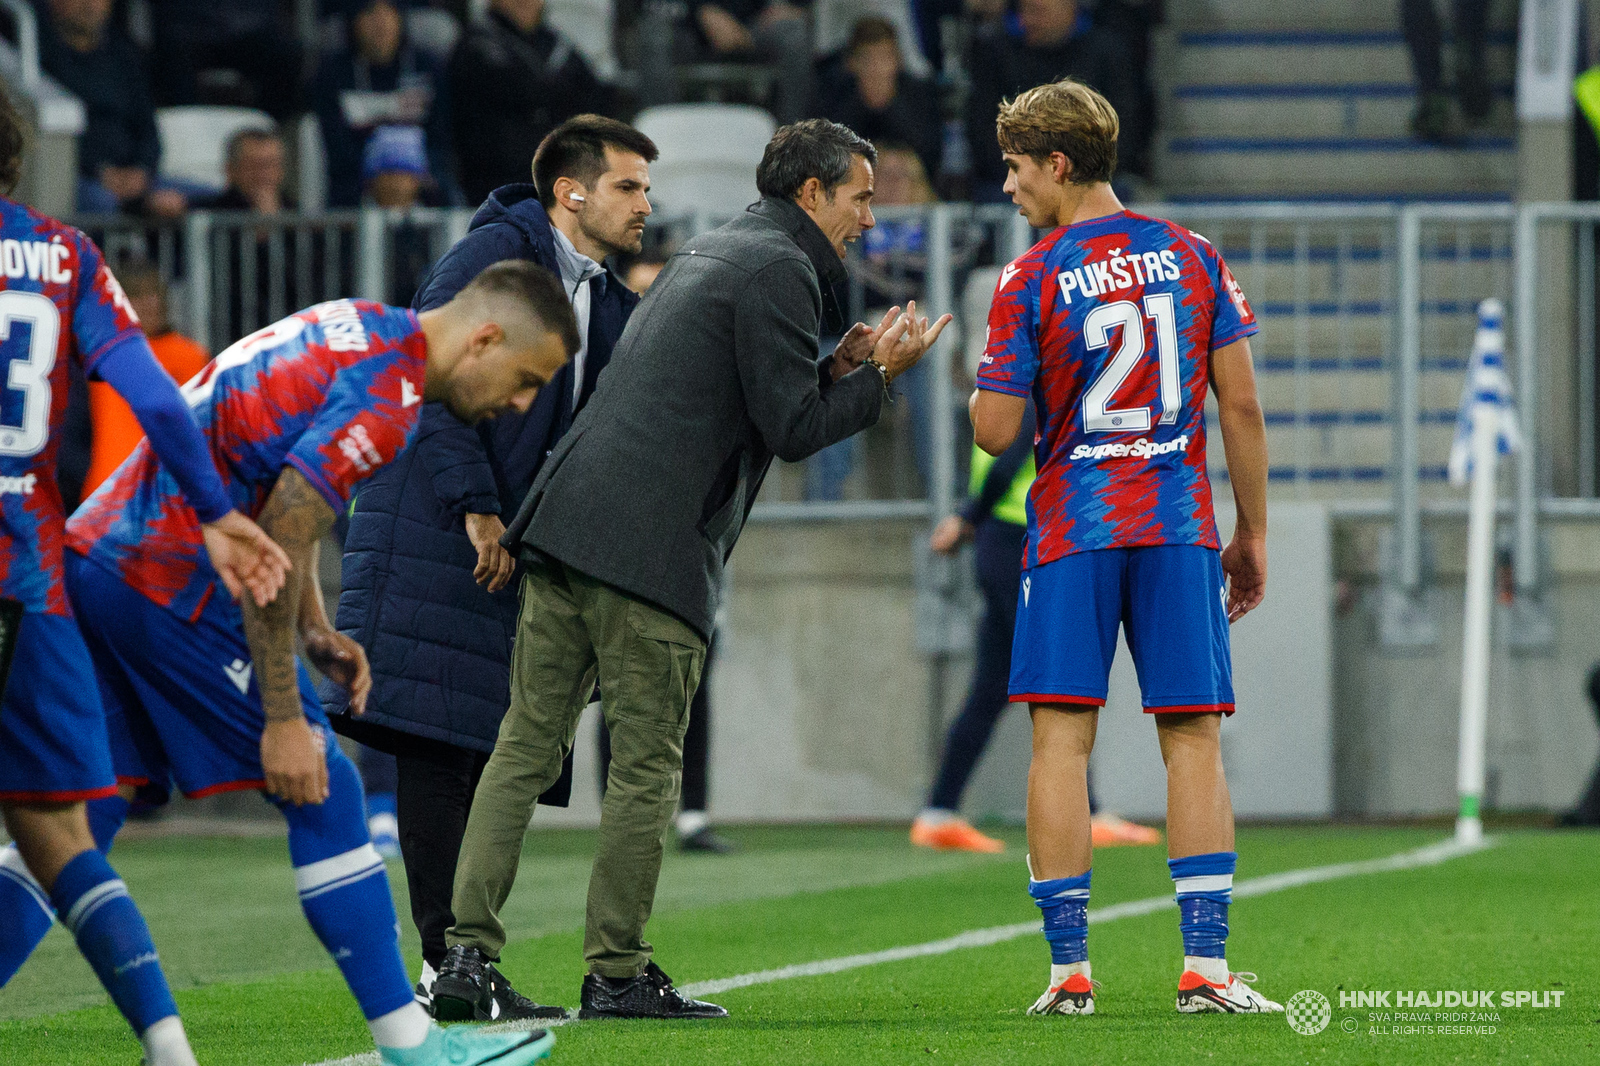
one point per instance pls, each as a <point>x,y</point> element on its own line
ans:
<point>882,370</point>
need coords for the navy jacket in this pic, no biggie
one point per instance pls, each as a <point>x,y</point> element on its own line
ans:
<point>440,646</point>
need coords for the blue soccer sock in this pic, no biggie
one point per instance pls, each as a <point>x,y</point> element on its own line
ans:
<point>1065,904</point>
<point>1204,886</point>
<point>95,905</point>
<point>344,892</point>
<point>25,911</point>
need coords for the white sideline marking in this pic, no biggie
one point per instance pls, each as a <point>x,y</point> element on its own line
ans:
<point>1431,855</point>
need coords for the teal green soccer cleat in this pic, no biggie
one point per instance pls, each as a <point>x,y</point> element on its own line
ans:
<point>472,1047</point>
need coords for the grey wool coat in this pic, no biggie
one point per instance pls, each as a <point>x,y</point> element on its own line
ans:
<point>716,373</point>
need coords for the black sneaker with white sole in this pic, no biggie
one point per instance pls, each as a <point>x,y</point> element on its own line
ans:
<point>650,995</point>
<point>470,989</point>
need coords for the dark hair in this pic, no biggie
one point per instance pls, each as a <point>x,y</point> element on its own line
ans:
<point>576,149</point>
<point>873,29</point>
<point>536,288</point>
<point>13,142</point>
<point>814,148</point>
<point>250,133</point>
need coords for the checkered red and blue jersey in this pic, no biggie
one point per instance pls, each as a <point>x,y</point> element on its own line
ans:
<point>334,391</point>
<point>58,304</point>
<point>1109,325</point>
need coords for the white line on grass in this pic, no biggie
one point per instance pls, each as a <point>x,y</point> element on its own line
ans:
<point>1431,855</point>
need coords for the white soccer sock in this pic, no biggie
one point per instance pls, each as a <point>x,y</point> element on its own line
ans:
<point>166,1044</point>
<point>691,822</point>
<point>406,1027</point>
<point>1060,971</point>
<point>936,816</point>
<point>1213,970</point>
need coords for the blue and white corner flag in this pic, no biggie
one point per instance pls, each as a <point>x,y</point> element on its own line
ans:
<point>1486,383</point>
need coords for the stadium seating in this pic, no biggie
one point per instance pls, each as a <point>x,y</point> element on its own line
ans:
<point>709,155</point>
<point>194,139</point>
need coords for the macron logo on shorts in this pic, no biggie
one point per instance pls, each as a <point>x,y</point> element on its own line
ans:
<point>239,673</point>
<point>1027,583</point>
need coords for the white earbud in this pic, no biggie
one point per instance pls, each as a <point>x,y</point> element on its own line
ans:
<point>575,198</point>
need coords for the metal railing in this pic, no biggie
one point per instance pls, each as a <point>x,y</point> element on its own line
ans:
<point>1366,312</point>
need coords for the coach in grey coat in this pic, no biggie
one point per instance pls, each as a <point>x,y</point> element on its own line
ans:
<point>632,519</point>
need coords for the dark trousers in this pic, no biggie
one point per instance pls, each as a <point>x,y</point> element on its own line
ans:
<point>997,558</point>
<point>1425,37</point>
<point>696,744</point>
<point>433,797</point>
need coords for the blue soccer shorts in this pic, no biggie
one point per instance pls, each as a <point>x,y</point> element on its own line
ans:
<point>181,701</point>
<point>53,746</point>
<point>1169,601</point>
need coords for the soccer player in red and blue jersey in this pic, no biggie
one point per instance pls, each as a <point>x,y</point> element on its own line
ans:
<point>59,306</point>
<point>208,694</point>
<point>1115,324</point>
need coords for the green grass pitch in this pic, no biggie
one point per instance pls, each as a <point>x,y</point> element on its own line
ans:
<point>255,987</point>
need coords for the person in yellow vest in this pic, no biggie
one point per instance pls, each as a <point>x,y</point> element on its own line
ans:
<point>116,432</point>
<point>995,520</point>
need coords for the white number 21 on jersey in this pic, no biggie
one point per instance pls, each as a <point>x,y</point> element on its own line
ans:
<point>1098,414</point>
<point>27,369</point>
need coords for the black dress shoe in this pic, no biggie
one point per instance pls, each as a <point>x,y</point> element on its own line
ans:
<point>470,989</point>
<point>650,995</point>
<point>706,839</point>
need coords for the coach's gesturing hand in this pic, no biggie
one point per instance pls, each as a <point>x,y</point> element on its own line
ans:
<point>900,344</point>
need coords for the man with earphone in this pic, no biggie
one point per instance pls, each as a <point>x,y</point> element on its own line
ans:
<point>427,588</point>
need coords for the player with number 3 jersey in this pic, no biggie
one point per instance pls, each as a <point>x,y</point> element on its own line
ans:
<point>60,306</point>
<point>1116,325</point>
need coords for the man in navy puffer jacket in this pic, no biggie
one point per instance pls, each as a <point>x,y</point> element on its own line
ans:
<point>427,588</point>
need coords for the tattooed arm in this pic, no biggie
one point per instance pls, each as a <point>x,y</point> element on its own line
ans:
<point>292,756</point>
<point>330,651</point>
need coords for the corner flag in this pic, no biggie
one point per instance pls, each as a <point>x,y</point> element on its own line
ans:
<point>1486,383</point>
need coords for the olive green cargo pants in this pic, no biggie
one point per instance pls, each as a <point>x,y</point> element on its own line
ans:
<point>571,628</point>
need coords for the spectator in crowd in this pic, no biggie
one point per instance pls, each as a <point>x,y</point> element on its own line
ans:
<point>250,40</point>
<point>513,79</point>
<point>119,147</point>
<point>873,94</point>
<point>116,430</point>
<point>1435,119</point>
<point>641,272</point>
<point>394,176</point>
<point>379,79</point>
<point>1133,23</point>
<point>769,31</point>
<point>256,174</point>
<point>1058,41</point>
<point>269,270</point>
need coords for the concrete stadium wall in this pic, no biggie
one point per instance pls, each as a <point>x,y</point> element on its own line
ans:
<point>1396,724</point>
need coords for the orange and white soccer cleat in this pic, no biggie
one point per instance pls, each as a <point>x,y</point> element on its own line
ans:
<point>1110,831</point>
<point>1196,995</point>
<point>953,834</point>
<point>1075,995</point>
